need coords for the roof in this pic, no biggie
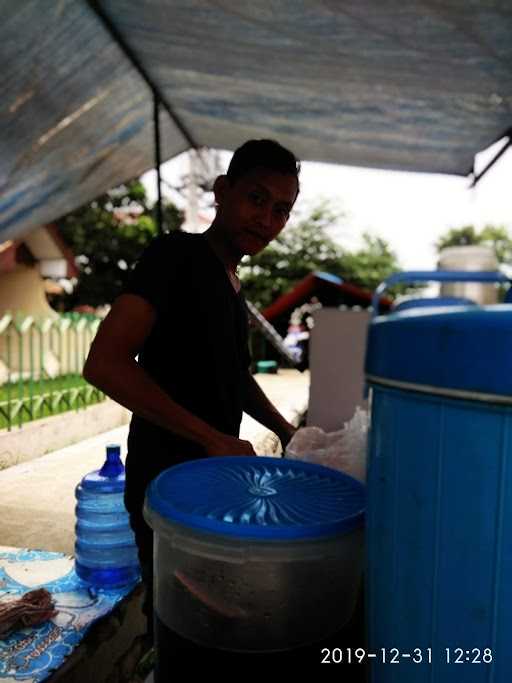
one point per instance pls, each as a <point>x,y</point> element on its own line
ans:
<point>419,86</point>
<point>354,295</point>
<point>43,244</point>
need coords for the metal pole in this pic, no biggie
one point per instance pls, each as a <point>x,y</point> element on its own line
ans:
<point>158,163</point>
<point>508,143</point>
<point>95,5</point>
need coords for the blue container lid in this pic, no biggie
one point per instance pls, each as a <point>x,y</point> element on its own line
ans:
<point>463,348</point>
<point>258,498</point>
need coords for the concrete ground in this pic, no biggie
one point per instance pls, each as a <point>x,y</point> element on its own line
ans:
<point>37,503</point>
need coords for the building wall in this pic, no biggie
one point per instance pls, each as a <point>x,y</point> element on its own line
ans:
<point>336,363</point>
<point>22,290</point>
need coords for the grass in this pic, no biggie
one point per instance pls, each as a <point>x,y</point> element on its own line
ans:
<point>29,400</point>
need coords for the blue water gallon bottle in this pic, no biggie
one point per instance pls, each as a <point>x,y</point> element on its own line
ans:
<point>105,550</point>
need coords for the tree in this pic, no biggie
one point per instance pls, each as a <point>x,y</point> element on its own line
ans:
<point>306,246</point>
<point>499,238</point>
<point>298,250</point>
<point>458,237</point>
<point>107,236</point>
<point>371,264</point>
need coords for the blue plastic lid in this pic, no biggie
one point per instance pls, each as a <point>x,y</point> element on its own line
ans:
<point>111,477</point>
<point>259,498</point>
<point>463,348</point>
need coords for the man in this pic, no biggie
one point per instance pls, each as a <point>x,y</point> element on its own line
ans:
<point>183,315</point>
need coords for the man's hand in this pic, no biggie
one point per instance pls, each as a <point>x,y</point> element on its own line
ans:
<point>285,434</point>
<point>229,445</point>
<point>258,406</point>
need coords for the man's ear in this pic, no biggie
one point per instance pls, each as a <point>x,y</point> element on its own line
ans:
<point>220,187</point>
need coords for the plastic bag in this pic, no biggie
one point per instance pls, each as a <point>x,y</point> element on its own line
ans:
<point>343,450</point>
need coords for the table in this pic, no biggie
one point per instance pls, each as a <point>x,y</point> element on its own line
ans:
<point>34,654</point>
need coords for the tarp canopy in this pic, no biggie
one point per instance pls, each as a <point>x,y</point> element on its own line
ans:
<point>417,85</point>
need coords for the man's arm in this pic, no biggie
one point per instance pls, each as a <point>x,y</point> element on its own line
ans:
<point>258,406</point>
<point>111,366</point>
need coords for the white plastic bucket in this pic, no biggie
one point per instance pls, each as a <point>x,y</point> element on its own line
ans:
<point>469,258</point>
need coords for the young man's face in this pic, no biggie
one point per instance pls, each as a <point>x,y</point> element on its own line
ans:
<point>255,208</point>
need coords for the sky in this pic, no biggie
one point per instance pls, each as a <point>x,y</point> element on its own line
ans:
<point>409,210</point>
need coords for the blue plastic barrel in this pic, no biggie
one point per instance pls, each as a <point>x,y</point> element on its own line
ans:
<point>418,276</point>
<point>433,301</point>
<point>105,550</point>
<point>439,526</point>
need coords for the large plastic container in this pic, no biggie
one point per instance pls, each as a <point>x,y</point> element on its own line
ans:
<point>439,529</point>
<point>254,554</point>
<point>105,550</point>
<point>469,257</point>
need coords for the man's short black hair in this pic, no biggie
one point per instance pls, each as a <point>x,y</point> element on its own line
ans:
<point>262,154</point>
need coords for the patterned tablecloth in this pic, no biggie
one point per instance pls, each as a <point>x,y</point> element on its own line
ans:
<point>32,654</point>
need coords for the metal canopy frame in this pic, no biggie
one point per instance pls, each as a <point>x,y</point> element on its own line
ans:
<point>508,143</point>
<point>158,99</point>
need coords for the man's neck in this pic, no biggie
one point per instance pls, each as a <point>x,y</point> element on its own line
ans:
<point>222,249</point>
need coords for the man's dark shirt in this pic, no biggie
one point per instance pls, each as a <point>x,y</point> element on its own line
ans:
<point>197,351</point>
